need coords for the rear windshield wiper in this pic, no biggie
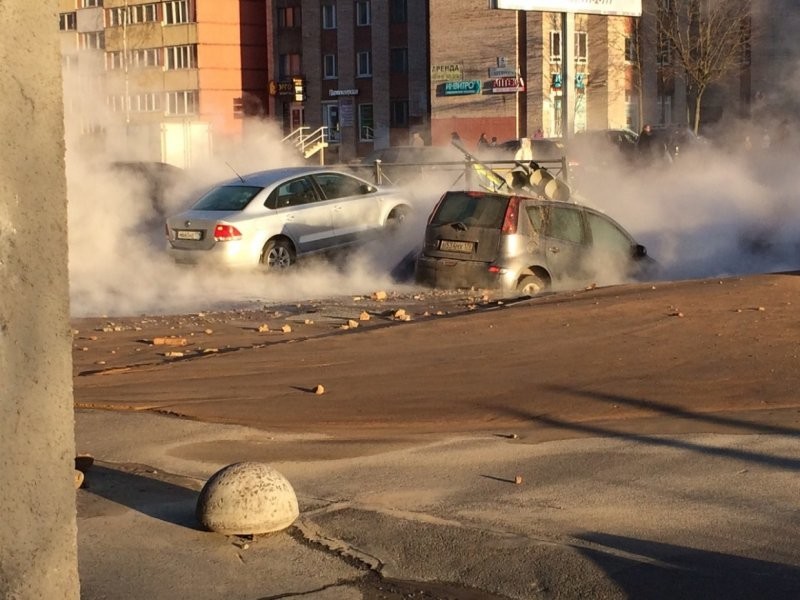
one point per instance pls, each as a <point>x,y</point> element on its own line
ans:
<point>456,225</point>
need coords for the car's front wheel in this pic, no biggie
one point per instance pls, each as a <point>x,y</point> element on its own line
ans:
<point>530,286</point>
<point>278,255</point>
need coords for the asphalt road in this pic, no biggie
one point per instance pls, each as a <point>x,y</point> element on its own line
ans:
<point>653,430</point>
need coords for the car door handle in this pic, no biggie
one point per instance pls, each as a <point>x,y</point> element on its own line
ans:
<point>290,217</point>
<point>554,249</point>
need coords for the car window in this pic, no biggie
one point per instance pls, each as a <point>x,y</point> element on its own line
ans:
<point>227,197</point>
<point>336,185</point>
<point>565,224</point>
<point>537,216</point>
<point>473,210</point>
<point>292,193</point>
<point>607,237</point>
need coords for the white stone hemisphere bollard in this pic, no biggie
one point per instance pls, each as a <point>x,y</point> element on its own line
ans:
<point>247,498</point>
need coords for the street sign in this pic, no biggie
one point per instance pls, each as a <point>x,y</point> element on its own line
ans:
<point>631,8</point>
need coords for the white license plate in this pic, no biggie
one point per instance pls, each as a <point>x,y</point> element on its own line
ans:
<point>188,234</point>
<point>456,246</point>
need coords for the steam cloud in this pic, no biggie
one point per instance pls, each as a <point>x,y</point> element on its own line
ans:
<point>714,212</point>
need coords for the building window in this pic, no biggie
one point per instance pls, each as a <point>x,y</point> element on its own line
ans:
<point>329,16</point>
<point>631,111</point>
<point>398,11</point>
<point>69,61</point>
<point>181,57</point>
<point>288,65</point>
<point>398,113</point>
<point>146,102</point>
<point>398,60</point>
<point>115,60</point>
<point>144,57</point>
<point>366,124</point>
<point>117,103</point>
<point>91,3</point>
<point>182,103</point>
<point>144,13</point>
<point>117,16</point>
<point>176,12</point>
<point>364,66</point>
<point>288,17</point>
<point>663,48</point>
<point>92,40</point>
<point>67,21</point>
<point>581,47</point>
<point>329,66</point>
<point>630,50</point>
<point>555,46</point>
<point>664,103</point>
<point>363,16</point>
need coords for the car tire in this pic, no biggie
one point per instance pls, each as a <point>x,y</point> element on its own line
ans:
<point>278,255</point>
<point>530,285</point>
<point>396,219</point>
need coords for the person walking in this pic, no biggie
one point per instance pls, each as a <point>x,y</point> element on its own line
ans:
<point>645,145</point>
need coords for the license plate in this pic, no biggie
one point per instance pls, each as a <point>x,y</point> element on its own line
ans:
<point>188,234</point>
<point>456,246</point>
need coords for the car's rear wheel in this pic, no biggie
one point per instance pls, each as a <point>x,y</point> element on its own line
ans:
<point>531,285</point>
<point>278,255</point>
<point>396,219</point>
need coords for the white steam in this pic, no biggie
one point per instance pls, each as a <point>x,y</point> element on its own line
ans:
<point>719,211</point>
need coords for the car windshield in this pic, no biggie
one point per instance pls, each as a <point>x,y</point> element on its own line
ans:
<point>227,197</point>
<point>473,210</point>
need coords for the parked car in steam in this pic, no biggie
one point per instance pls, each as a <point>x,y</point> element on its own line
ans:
<point>523,245</point>
<point>271,218</point>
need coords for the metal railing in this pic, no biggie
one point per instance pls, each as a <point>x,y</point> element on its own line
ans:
<point>309,142</point>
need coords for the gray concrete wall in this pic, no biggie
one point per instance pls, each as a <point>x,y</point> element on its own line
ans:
<point>38,556</point>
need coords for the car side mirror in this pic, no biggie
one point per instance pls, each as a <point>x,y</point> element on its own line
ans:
<point>639,251</point>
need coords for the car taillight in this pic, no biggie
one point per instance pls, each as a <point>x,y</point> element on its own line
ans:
<point>226,233</point>
<point>510,220</point>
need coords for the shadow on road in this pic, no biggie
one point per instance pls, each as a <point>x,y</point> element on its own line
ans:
<point>136,487</point>
<point>674,411</point>
<point>769,460</point>
<point>657,571</point>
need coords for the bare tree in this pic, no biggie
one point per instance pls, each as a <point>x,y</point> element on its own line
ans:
<point>706,39</point>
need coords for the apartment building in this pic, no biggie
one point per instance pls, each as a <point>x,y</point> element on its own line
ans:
<point>356,67</point>
<point>161,80</point>
<point>175,76</point>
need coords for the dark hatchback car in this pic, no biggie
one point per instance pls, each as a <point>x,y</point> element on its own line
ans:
<point>523,245</point>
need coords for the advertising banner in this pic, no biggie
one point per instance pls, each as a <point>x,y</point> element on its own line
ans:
<point>631,8</point>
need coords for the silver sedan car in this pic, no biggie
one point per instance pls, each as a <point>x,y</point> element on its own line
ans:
<point>271,218</point>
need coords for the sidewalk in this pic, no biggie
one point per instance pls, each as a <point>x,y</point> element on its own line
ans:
<point>704,516</point>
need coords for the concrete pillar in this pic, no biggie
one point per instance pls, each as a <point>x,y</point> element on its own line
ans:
<point>38,550</point>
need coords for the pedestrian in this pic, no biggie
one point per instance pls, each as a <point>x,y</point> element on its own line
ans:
<point>483,142</point>
<point>416,139</point>
<point>525,151</point>
<point>493,143</point>
<point>645,145</point>
<point>539,134</point>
